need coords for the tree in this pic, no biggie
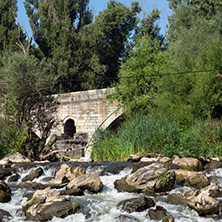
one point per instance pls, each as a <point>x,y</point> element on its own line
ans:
<point>27,104</point>
<point>9,30</point>
<point>115,25</point>
<point>61,30</point>
<point>194,46</point>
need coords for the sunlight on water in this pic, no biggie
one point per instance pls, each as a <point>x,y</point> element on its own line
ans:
<point>101,207</point>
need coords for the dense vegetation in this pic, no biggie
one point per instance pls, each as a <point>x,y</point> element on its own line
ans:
<point>168,85</point>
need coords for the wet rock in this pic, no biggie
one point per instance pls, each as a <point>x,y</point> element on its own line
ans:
<point>5,192</point>
<point>4,214</point>
<point>14,178</point>
<point>188,163</point>
<point>66,174</point>
<point>144,157</point>
<point>168,219</point>
<point>34,174</point>
<point>125,218</point>
<point>178,198</point>
<point>45,204</point>
<point>212,165</point>
<point>191,178</point>
<point>204,204</point>
<point>157,213</point>
<point>147,159</point>
<point>212,191</point>
<point>165,160</point>
<point>14,158</point>
<point>136,157</point>
<point>149,179</point>
<point>73,192</point>
<point>90,181</point>
<point>136,204</point>
<point>32,185</point>
<point>5,173</point>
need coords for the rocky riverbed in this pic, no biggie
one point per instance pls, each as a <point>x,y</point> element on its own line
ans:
<point>144,188</point>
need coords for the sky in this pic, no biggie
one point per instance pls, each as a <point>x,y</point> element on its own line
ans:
<point>100,5</point>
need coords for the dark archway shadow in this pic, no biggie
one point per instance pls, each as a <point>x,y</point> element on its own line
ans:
<point>114,126</point>
<point>69,128</point>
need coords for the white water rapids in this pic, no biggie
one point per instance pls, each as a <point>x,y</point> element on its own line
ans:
<point>100,207</point>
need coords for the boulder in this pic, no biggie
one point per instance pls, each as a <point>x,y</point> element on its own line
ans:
<point>32,185</point>
<point>212,165</point>
<point>66,174</point>
<point>4,214</point>
<point>168,219</point>
<point>73,192</point>
<point>149,179</point>
<point>5,173</point>
<point>34,174</point>
<point>14,158</point>
<point>89,181</point>
<point>157,213</point>
<point>188,163</point>
<point>191,178</point>
<point>181,198</point>
<point>136,204</point>
<point>5,192</point>
<point>45,204</point>
<point>14,178</point>
<point>212,191</point>
<point>148,159</point>
<point>126,218</point>
<point>204,204</point>
<point>165,160</point>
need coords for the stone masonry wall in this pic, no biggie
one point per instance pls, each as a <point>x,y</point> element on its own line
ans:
<point>88,109</point>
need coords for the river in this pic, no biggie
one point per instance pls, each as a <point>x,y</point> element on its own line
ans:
<point>99,207</point>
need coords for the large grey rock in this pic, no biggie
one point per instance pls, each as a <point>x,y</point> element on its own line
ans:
<point>204,204</point>
<point>32,185</point>
<point>14,158</point>
<point>4,215</point>
<point>5,173</point>
<point>5,192</point>
<point>14,178</point>
<point>149,179</point>
<point>126,218</point>
<point>90,181</point>
<point>45,204</point>
<point>188,163</point>
<point>136,204</point>
<point>34,174</point>
<point>66,174</point>
<point>157,213</point>
<point>191,178</point>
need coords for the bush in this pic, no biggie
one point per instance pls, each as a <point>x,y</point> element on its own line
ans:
<point>153,134</point>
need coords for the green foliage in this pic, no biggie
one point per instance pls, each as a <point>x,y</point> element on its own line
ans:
<point>140,134</point>
<point>62,29</point>
<point>8,27</point>
<point>114,25</point>
<point>107,148</point>
<point>13,136</point>
<point>155,134</point>
<point>26,100</point>
<point>139,77</point>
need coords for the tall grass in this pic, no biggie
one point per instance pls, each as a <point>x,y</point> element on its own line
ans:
<point>152,134</point>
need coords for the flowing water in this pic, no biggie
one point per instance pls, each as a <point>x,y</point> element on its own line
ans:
<point>99,207</point>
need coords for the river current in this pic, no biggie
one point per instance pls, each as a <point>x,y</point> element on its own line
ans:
<point>99,207</point>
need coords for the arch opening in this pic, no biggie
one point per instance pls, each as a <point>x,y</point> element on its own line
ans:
<point>69,128</point>
<point>114,126</point>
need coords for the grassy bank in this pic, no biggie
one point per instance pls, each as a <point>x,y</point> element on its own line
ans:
<point>152,134</point>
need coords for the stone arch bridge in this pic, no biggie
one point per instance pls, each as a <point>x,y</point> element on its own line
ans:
<point>78,116</point>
